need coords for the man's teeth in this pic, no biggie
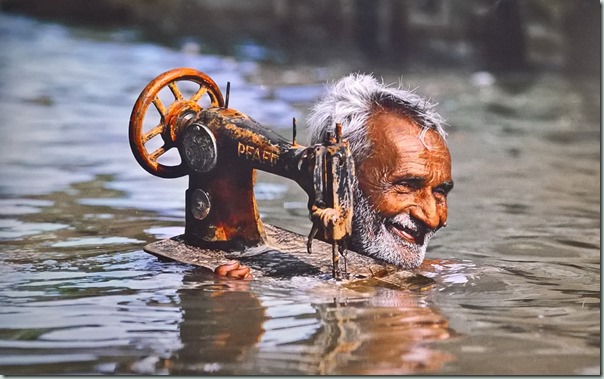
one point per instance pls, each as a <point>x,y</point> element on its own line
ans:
<point>406,232</point>
<point>407,235</point>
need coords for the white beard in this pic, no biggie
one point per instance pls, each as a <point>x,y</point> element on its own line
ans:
<point>371,237</point>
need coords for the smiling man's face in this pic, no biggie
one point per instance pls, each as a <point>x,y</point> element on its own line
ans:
<point>401,199</point>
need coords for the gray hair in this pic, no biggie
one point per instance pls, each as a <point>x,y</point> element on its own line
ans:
<point>351,102</point>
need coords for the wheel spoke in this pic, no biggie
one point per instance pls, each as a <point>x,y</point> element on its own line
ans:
<point>158,153</point>
<point>200,92</point>
<point>160,106</point>
<point>175,91</point>
<point>152,133</point>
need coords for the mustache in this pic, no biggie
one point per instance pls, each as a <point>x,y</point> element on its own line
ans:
<point>366,213</point>
<point>414,226</point>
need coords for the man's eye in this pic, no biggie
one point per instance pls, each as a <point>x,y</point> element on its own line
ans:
<point>440,193</point>
<point>402,188</point>
<point>408,185</point>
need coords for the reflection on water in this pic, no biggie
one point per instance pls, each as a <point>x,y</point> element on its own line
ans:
<point>389,326</point>
<point>231,327</point>
<point>515,276</point>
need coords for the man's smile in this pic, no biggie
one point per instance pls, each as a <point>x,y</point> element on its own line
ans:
<point>410,234</point>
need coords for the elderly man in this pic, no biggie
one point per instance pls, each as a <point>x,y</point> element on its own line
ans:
<point>402,162</point>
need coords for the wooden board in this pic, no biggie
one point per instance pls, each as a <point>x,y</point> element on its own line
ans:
<point>285,256</point>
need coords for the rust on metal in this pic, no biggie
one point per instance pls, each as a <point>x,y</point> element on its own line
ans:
<point>220,149</point>
<point>170,117</point>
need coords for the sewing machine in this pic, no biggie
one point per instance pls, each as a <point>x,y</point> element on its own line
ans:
<point>220,148</point>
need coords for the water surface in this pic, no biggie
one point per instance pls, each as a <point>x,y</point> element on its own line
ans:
<point>516,274</point>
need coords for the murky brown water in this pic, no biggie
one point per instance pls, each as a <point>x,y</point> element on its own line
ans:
<point>517,272</point>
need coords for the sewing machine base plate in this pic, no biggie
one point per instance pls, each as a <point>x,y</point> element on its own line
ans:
<point>285,256</point>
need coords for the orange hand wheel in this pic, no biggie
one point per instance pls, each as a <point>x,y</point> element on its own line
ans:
<point>172,117</point>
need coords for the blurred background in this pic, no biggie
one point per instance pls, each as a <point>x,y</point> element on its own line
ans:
<point>499,35</point>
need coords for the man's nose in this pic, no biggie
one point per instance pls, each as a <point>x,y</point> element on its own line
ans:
<point>426,211</point>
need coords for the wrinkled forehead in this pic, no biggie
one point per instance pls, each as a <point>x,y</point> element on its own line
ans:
<point>399,140</point>
<point>387,125</point>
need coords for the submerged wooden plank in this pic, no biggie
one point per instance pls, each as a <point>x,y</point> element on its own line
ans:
<point>285,256</point>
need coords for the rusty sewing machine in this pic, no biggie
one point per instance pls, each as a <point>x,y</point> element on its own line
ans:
<point>220,148</point>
